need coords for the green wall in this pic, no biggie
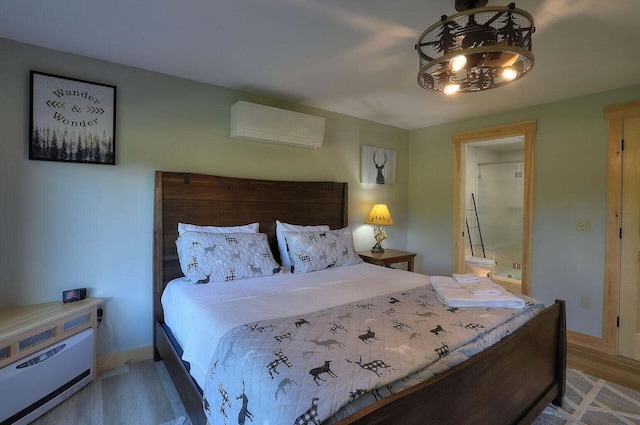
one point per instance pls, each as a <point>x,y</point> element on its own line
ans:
<point>569,182</point>
<point>67,225</point>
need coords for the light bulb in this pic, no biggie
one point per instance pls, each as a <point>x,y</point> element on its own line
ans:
<point>451,88</point>
<point>457,63</point>
<point>509,73</point>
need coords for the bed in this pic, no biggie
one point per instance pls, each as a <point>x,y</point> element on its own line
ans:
<point>510,382</point>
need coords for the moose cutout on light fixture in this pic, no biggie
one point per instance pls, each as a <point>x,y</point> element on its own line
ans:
<point>478,48</point>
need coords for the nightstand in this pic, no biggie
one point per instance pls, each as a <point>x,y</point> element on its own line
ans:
<point>388,257</point>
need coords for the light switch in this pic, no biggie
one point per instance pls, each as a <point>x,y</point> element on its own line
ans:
<point>583,224</point>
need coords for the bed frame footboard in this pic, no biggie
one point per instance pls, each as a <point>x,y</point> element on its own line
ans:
<point>511,382</point>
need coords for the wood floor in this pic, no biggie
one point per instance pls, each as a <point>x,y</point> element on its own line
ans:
<point>134,394</point>
<point>143,394</point>
<point>613,368</point>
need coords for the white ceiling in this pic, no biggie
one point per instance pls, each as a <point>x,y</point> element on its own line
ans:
<point>354,57</point>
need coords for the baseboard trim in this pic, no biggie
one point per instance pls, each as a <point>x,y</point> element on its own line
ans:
<point>603,365</point>
<point>113,360</point>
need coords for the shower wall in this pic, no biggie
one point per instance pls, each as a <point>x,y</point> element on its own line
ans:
<point>496,180</point>
<point>500,209</point>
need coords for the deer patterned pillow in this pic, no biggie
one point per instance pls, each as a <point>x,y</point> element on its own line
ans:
<point>311,251</point>
<point>282,244</point>
<point>220,257</point>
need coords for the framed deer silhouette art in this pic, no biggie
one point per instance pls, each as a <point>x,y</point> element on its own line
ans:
<point>377,165</point>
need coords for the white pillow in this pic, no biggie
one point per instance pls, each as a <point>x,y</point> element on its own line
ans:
<point>282,243</point>
<point>220,257</point>
<point>247,228</point>
<point>311,251</point>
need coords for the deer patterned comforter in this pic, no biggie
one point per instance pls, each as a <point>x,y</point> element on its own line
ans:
<point>308,368</point>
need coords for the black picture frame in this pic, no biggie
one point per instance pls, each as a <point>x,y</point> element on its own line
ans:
<point>72,120</point>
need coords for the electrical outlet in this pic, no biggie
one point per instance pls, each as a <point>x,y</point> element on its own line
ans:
<point>586,301</point>
<point>583,224</point>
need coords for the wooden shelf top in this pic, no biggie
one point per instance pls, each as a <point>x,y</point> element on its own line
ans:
<point>387,254</point>
<point>17,320</point>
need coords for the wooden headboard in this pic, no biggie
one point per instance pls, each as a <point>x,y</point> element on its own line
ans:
<point>227,201</point>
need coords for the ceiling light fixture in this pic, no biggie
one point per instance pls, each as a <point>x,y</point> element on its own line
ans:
<point>477,49</point>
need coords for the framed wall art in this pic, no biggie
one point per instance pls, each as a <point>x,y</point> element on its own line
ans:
<point>377,165</point>
<point>72,120</point>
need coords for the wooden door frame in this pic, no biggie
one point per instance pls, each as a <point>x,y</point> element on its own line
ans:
<point>526,128</point>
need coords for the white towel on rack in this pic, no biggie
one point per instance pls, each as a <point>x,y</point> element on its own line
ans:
<point>453,294</point>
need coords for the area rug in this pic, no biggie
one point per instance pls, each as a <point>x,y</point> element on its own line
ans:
<point>593,401</point>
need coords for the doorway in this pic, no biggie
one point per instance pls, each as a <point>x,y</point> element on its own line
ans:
<point>494,215</point>
<point>503,158</point>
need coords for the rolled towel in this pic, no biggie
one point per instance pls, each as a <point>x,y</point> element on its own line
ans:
<point>465,278</point>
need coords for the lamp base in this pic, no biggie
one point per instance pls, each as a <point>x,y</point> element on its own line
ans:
<point>380,236</point>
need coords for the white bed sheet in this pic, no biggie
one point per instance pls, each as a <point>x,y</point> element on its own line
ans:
<point>199,315</point>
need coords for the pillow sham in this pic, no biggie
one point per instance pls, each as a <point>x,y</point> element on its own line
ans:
<point>311,251</point>
<point>247,228</point>
<point>219,257</point>
<point>282,244</point>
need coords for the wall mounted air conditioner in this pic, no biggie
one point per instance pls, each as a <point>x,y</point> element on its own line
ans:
<point>34,384</point>
<point>262,123</point>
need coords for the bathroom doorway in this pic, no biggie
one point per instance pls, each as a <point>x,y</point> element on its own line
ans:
<point>494,221</point>
<point>493,193</point>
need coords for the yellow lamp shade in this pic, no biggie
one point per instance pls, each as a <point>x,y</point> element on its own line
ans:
<point>379,215</point>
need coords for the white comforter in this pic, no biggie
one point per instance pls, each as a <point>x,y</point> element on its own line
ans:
<point>199,320</point>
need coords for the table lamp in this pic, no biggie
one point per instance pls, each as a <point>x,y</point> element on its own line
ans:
<point>378,216</point>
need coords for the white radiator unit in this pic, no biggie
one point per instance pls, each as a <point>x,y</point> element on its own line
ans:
<point>34,384</point>
<point>262,123</point>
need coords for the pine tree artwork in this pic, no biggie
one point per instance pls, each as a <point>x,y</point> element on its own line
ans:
<point>71,120</point>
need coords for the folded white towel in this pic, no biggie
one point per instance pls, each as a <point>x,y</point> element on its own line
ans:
<point>484,289</point>
<point>453,294</point>
<point>466,278</point>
